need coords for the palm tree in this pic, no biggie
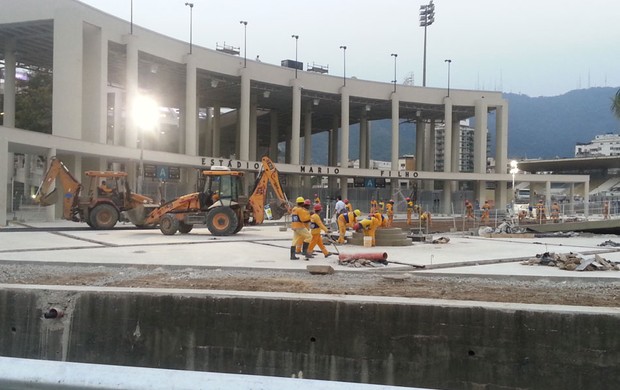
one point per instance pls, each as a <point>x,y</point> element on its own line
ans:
<point>615,104</point>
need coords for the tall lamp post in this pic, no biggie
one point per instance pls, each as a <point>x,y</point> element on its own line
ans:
<point>449,61</point>
<point>344,65</point>
<point>394,81</point>
<point>191,10</point>
<point>296,41</point>
<point>131,18</point>
<point>146,115</point>
<point>427,17</point>
<point>245,43</point>
<point>514,169</point>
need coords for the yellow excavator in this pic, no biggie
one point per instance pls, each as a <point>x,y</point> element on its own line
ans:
<point>100,204</point>
<point>220,204</point>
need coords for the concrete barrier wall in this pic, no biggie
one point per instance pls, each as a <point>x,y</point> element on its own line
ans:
<point>393,341</point>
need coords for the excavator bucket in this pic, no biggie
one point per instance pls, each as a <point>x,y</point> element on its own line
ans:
<point>137,215</point>
<point>47,199</point>
<point>278,209</point>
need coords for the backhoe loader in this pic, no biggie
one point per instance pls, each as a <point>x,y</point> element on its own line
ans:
<point>220,204</point>
<point>99,206</point>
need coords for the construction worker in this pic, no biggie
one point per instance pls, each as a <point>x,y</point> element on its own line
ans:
<point>605,210</point>
<point>381,218</point>
<point>316,225</point>
<point>346,220</point>
<point>555,212</point>
<point>348,206</point>
<point>104,189</point>
<point>409,210</point>
<point>300,216</point>
<point>426,220</point>
<point>381,206</point>
<point>390,212</point>
<point>373,206</point>
<point>486,207</point>
<point>541,212</point>
<point>369,226</point>
<point>469,210</point>
<point>522,215</point>
<point>317,199</point>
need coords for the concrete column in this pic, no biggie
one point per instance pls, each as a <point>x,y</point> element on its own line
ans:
<point>50,211</point>
<point>191,107</point>
<point>344,125</point>
<point>9,86</point>
<point>5,165</point>
<point>480,146</point>
<point>253,129</point>
<point>332,181</point>
<point>216,132</point>
<point>208,135</point>
<point>363,146</point>
<point>429,154</point>
<point>586,198</point>
<point>131,86</point>
<point>308,134</point>
<point>572,199</point>
<point>548,196</point>
<point>94,98</point>
<point>501,152</point>
<point>296,123</point>
<point>455,151</point>
<point>68,67</point>
<point>395,127</point>
<point>244,116</point>
<point>420,135</point>
<point>447,156</point>
<point>273,135</point>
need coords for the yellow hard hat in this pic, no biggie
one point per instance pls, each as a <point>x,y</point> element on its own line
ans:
<point>357,213</point>
<point>299,199</point>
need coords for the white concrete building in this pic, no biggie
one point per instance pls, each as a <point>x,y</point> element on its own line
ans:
<point>101,68</point>
<point>602,145</point>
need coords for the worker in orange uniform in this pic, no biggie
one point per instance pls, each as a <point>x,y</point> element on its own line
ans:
<point>369,226</point>
<point>426,220</point>
<point>606,209</point>
<point>381,206</point>
<point>373,206</point>
<point>300,216</point>
<point>316,225</point>
<point>469,210</point>
<point>555,212</point>
<point>389,207</point>
<point>381,218</point>
<point>348,206</point>
<point>486,208</point>
<point>104,189</point>
<point>317,199</point>
<point>346,220</point>
<point>409,210</point>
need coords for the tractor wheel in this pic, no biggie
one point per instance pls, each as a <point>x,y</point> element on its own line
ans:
<point>103,216</point>
<point>168,224</point>
<point>222,221</point>
<point>185,228</point>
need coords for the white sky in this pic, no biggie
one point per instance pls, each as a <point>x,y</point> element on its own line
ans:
<point>535,47</point>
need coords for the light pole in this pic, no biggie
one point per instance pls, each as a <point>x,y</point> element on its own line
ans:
<point>191,10</point>
<point>245,42</point>
<point>427,17</point>
<point>146,116</point>
<point>131,18</point>
<point>296,40</point>
<point>449,61</point>
<point>344,67</point>
<point>514,169</point>
<point>394,81</point>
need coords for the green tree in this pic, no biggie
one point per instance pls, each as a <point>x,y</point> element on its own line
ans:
<point>615,104</point>
<point>33,102</point>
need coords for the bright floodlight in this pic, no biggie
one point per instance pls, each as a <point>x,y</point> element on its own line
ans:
<point>146,112</point>
<point>514,167</point>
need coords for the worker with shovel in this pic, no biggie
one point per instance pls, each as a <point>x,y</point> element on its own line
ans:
<point>346,220</point>
<point>369,227</point>
<point>316,225</point>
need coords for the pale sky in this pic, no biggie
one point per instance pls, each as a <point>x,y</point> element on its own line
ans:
<point>534,47</point>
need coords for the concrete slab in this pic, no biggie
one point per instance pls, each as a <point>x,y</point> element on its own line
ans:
<point>267,247</point>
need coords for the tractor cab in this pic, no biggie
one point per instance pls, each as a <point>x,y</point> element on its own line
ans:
<point>221,187</point>
<point>107,186</point>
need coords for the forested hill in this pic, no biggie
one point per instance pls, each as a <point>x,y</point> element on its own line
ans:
<point>545,127</point>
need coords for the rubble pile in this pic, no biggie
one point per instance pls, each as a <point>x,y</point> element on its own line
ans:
<point>359,263</point>
<point>573,262</point>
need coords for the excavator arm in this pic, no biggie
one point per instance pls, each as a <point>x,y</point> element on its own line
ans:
<point>256,202</point>
<point>71,188</point>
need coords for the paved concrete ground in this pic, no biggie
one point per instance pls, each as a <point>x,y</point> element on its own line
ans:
<point>267,247</point>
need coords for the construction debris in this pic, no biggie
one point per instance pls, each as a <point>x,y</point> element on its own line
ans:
<point>441,240</point>
<point>320,269</point>
<point>573,262</point>
<point>609,243</point>
<point>359,260</point>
